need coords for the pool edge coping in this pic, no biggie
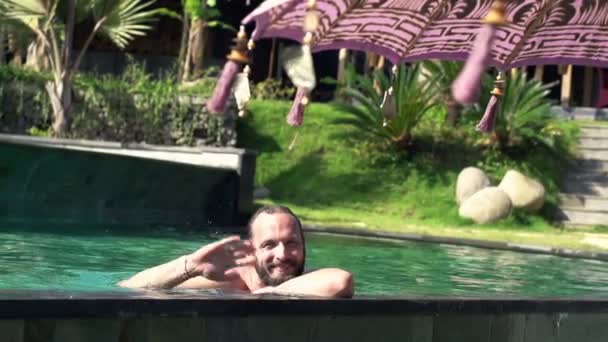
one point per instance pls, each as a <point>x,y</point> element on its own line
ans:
<point>486,244</point>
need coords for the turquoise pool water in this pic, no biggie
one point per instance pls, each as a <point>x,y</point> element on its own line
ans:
<point>96,260</point>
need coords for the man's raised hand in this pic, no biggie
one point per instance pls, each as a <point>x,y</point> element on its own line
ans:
<point>216,261</point>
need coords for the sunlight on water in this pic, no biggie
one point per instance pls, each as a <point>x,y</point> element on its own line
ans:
<point>97,259</point>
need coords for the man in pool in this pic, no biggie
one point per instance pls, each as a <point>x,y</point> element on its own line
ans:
<point>271,261</point>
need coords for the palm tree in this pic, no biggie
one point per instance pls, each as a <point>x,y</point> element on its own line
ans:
<point>53,23</point>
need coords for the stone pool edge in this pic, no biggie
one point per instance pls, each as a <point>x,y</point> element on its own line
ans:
<point>486,244</point>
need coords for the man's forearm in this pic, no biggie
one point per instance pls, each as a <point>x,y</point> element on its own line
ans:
<point>164,276</point>
<point>329,282</point>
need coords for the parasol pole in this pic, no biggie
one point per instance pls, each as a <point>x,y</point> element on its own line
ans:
<point>466,88</point>
<point>295,117</point>
<point>388,105</point>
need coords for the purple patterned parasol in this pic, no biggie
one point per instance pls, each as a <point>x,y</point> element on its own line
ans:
<point>537,32</point>
<point>500,33</point>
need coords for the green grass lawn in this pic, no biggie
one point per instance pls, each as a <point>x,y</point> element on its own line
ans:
<point>330,175</point>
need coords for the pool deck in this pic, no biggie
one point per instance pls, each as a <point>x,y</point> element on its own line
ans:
<point>486,244</point>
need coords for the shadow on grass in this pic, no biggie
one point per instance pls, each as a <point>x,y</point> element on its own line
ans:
<point>310,183</point>
<point>248,137</point>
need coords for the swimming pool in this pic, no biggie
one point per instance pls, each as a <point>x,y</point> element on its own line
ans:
<point>94,259</point>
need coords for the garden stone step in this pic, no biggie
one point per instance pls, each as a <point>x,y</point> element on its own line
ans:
<point>576,201</point>
<point>591,165</point>
<point>593,143</point>
<point>578,217</point>
<point>597,154</point>
<point>594,132</point>
<point>587,176</point>
<point>585,188</point>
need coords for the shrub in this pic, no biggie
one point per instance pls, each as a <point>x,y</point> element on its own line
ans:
<point>132,107</point>
<point>271,89</point>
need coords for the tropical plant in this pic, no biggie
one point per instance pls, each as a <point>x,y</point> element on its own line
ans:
<point>389,120</point>
<point>134,106</point>
<point>524,117</point>
<point>53,23</point>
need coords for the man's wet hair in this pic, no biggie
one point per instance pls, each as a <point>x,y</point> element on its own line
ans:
<point>274,209</point>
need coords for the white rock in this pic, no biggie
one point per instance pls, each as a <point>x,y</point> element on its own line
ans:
<point>486,206</point>
<point>524,192</point>
<point>470,180</point>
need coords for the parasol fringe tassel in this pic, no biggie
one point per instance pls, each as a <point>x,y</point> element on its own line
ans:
<point>296,113</point>
<point>467,87</point>
<point>488,121</point>
<point>218,102</point>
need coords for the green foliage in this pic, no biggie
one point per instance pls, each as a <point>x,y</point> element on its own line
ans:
<point>271,89</point>
<point>203,86</point>
<point>195,9</point>
<point>524,118</point>
<point>332,175</point>
<point>414,96</point>
<point>120,20</point>
<point>23,102</point>
<point>132,107</point>
<point>444,73</point>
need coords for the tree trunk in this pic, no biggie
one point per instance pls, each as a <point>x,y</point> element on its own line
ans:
<point>183,46</point>
<point>199,29</point>
<point>403,141</point>
<point>187,61</point>
<point>60,90</point>
<point>60,93</point>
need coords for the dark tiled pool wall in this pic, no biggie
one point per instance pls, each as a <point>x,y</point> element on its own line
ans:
<point>32,316</point>
<point>67,186</point>
<point>577,327</point>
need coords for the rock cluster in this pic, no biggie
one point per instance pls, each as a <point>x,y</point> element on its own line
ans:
<point>483,203</point>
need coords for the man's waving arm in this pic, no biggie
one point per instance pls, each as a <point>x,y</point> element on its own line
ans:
<point>215,262</point>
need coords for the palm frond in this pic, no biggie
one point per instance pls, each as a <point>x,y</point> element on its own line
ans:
<point>28,12</point>
<point>125,20</point>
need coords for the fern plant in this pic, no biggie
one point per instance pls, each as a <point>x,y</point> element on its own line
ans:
<point>524,114</point>
<point>414,94</point>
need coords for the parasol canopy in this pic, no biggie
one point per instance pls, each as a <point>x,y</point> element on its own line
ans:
<point>500,33</point>
<point>536,31</point>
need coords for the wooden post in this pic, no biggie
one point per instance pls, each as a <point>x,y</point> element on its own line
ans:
<point>342,56</point>
<point>539,73</point>
<point>2,47</point>
<point>566,97</point>
<point>277,70</point>
<point>273,52</point>
<point>588,87</point>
